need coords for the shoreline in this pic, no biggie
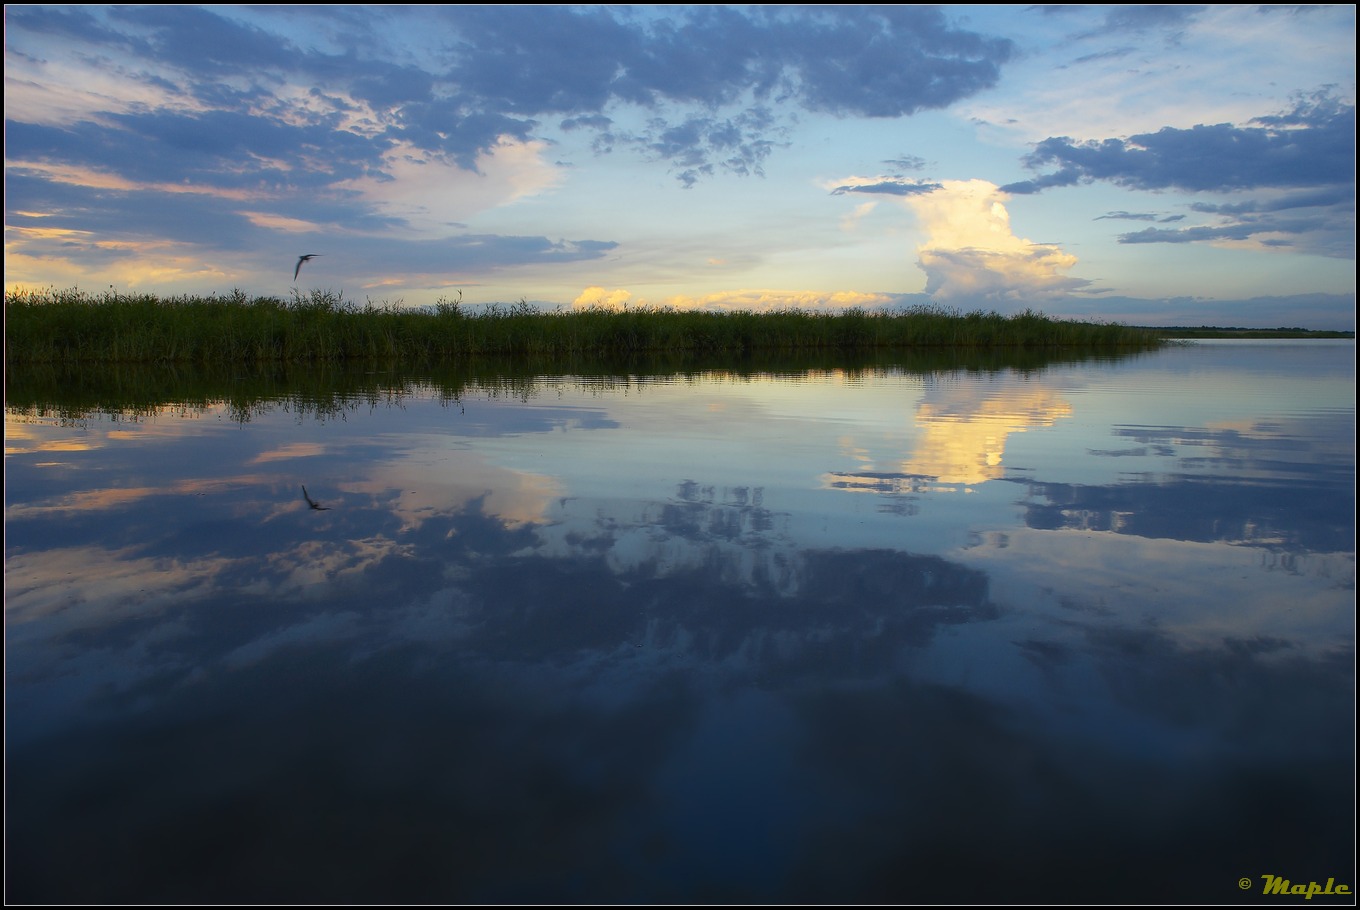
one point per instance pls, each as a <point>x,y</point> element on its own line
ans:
<point>1208,331</point>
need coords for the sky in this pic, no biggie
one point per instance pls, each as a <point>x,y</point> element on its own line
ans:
<point>1155,165</point>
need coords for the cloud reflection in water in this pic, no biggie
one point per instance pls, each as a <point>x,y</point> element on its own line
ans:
<point>621,647</point>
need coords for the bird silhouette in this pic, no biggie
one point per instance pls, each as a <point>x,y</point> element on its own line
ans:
<point>301,260</point>
<point>312,502</point>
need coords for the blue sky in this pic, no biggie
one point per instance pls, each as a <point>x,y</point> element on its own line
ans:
<point>1144,164</point>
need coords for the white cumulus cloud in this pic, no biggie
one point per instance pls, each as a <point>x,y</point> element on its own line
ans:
<point>971,254</point>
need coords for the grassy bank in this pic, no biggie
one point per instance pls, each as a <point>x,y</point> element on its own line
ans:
<point>75,327</point>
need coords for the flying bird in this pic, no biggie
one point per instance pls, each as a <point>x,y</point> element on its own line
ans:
<point>312,502</point>
<point>301,260</point>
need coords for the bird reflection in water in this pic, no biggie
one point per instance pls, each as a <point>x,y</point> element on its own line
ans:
<point>312,502</point>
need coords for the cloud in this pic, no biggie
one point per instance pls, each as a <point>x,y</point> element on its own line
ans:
<point>1137,216</point>
<point>1330,196</point>
<point>961,438</point>
<point>990,277</point>
<point>746,300</point>
<point>885,61</point>
<point>586,121</point>
<point>239,130</point>
<point>124,233</point>
<point>429,193</point>
<point>599,298</point>
<point>491,72</point>
<point>1311,146</point>
<point>907,163</point>
<point>1141,18</point>
<point>214,149</point>
<point>236,129</point>
<point>700,146</point>
<point>1304,158</point>
<point>971,256</point>
<point>1318,222</point>
<point>877,62</point>
<point>891,186</point>
<point>197,39</point>
<point>762,300</point>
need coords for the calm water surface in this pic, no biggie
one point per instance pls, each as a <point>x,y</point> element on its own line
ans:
<point>1081,633</point>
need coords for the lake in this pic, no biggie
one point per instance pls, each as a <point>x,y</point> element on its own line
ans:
<point>1071,632</point>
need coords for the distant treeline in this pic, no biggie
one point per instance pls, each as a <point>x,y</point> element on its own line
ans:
<point>74,327</point>
<point>1210,331</point>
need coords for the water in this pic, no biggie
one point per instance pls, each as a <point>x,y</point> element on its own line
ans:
<point>1075,633</point>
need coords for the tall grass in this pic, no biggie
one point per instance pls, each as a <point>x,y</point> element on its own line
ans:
<point>74,326</point>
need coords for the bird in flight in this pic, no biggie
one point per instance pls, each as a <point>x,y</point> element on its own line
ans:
<point>312,502</point>
<point>301,260</point>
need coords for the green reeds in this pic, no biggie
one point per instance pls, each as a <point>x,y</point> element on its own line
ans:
<point>74,327</point>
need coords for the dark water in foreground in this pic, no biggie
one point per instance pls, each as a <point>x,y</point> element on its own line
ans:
<point>1077,633</point>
